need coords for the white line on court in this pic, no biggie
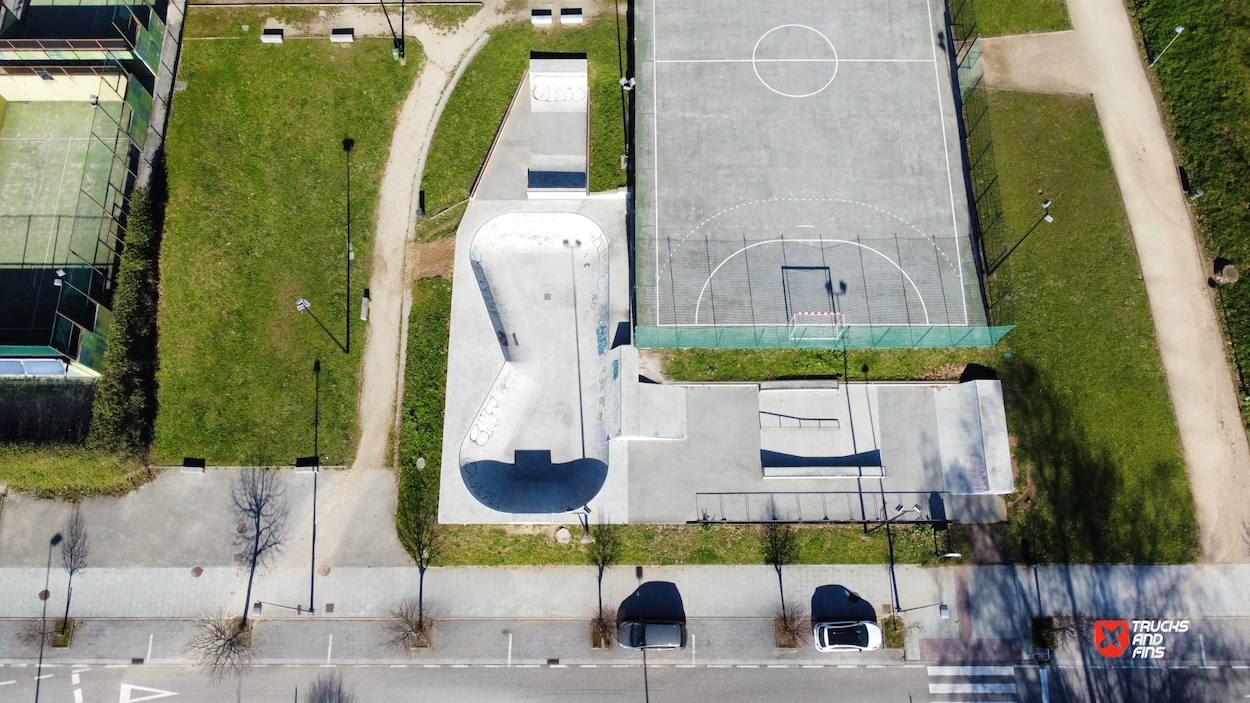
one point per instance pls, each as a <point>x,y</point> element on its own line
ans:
<point>794,61</point>
<point>950,183</point>
<point>708,282</point>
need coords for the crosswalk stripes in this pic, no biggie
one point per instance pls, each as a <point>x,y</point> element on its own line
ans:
<point>972,684</point>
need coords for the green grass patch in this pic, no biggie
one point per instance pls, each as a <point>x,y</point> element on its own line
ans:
<point>256,218</point>
<point>69,471</point>
<point>1087,400</point>
<point>1102,477</point>
<point>667,545</point>
<point>1205,84</point>
<point>204,21</point>
<point>445,18</point>
<point>997,18</point>
<point>477,106</point>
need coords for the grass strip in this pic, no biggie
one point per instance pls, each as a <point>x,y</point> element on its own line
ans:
<point>477,106</point>
<point>257,218</point>
<point>997,18</point>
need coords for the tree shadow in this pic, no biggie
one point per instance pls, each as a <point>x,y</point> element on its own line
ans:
<point>1088,508</point>
<point>653,600</point>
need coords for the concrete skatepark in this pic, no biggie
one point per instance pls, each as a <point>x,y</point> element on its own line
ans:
<point>548,420</point>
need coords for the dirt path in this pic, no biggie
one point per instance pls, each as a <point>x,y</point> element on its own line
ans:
<point>443,52</point>
<point>1100,56</point>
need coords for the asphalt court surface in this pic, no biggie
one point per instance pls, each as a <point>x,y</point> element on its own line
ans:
<point>800,157</point>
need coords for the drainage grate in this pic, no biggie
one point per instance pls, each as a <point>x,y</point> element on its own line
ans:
<point>553,662</point>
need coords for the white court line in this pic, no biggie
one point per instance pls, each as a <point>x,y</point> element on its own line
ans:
<point>950,183</point>
<point>655,151</point>
<point>708,282</point>
<point>43,139</point>
<point>794,60</point>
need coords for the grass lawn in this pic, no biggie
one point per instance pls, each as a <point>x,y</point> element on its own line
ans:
<point>476,107</point>
<point>1101,472</point>
<point>421,436</point>
<point>1205,83</point>
<point>69,471</point>
<point>256,218</point>
<point>997,18</point>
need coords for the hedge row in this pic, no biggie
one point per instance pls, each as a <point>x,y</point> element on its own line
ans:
<point>125,402</point>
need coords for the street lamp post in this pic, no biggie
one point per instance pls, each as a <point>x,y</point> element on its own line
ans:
<point>1178,31</point>
<point>314,462</point>
<point>889,538</point>
<point>1046,217</point>
<point>43,625</point>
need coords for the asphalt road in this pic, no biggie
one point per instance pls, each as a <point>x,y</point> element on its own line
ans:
<point>99,684</point>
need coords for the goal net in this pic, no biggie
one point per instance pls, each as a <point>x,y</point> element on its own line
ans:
<point>817,325</point>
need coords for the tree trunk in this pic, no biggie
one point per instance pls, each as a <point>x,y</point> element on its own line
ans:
<point>69,592</point>
<point>781,587</point>
<point>421,598</point>
<point>247,605</point>
<point>601,591</point>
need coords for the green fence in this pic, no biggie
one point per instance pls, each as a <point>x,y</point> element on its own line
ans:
<point>896,337</point>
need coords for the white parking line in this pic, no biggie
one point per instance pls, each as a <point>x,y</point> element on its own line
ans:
<point>6,683</point>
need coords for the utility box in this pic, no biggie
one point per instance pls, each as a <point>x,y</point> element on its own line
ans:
<point>571,15</point>
<point>271,36</point>
<point>345,35</point>
<point>540,17</point>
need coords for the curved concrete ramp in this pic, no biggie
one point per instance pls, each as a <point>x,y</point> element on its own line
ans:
<point>503,254</point>
<point>534,484</point>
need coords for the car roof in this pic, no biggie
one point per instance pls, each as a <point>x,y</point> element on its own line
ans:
<point>662,634</point>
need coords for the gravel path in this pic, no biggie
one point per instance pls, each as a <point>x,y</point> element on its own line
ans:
<point>391,299</point>
<point>1101,56</point>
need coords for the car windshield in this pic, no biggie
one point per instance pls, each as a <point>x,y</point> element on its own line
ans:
<point>636,633</point>
<point>846,636</point>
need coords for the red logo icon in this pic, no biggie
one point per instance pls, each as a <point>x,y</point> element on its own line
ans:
<point>1111,637</point>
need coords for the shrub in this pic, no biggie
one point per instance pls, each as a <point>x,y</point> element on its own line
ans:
<point>125,402</point>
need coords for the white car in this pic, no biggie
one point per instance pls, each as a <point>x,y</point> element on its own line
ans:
<point>847,636</point>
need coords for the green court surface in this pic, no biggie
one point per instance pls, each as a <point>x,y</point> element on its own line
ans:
<point>47,154</point>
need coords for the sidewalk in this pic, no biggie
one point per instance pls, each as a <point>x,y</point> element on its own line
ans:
<point>728,610</point>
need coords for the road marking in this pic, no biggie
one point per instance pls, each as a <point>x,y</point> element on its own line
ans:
<point>153,693</point>
<point>75,679</point>
<point>149,657</point>
<point>431,666</point>
<point>972,688</point>
<point>463,666</point>
<point>83,670</point>
<point>493,666</point>
<point>719,666</point>
<point>813,666</point>
<point>396,666</point>
<point>557,666</point>
<point>292,666</point>
<point>972,671</point>
<point>685,666</point>
<point>748,666</point>
<point>875,666</point>
<point>518,666</point>
<point>77,695</point>
<point>1241,666</point>
<point>366,666</point>
<point>6,683</point>
<point>329,649</point>
<point>588,666</point>
<point>620,666</point>
<point>778,666</point>
<point>45,676</point>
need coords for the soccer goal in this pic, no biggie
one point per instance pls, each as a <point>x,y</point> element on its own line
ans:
<point>817,325</point>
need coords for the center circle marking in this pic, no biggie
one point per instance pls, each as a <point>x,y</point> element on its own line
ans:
<point>755,67</point>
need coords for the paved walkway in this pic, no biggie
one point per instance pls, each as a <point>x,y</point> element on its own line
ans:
<point>729,608</point>
<point>1101,56</point>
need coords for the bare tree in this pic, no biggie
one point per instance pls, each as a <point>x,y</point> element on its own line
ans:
<point>418,530</point>
<point>793,626</point>
<point>73,555</point>
<point>261,507</point>
<point>408,625</point>
<point>223,645</point>
<point>780,546</point>
<point>329,688</point>
<point>32,631</point>
<point>604,550</point>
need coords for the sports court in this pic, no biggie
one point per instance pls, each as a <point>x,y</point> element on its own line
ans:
<point>800,178</point>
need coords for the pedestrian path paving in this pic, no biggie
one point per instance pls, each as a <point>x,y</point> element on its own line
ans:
<point>948,684</point>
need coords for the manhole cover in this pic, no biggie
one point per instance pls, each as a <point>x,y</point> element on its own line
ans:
<point>562,535</point>
<point>238,558</point>
<point>197,572</point>
<point>324,569</point>
<point>44,595</point>
<point>242,528</point>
